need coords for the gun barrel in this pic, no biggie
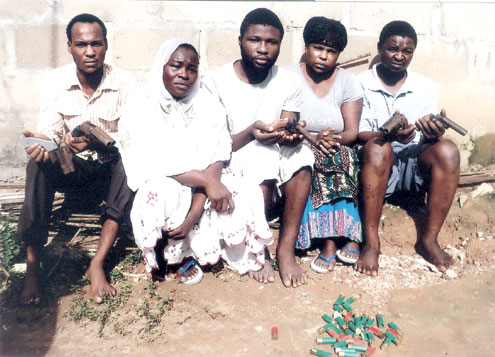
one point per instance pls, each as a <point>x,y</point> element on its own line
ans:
<point>447,123</point>
<point>305,133</point>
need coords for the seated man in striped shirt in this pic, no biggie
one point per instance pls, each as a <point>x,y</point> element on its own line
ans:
<point>86,90</point>
<point>405,161</point>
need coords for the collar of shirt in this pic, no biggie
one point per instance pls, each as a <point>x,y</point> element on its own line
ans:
<point>108,81</point>
<point>410,85</point>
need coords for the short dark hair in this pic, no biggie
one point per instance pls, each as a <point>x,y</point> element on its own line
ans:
<point>87,18</point>
<point>190,47</point>
<point>325,31</point>
<point>397,28</point>
<point>262,16</point>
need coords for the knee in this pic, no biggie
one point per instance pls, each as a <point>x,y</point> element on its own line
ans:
<point>447,154</point>
<point>378,154</point>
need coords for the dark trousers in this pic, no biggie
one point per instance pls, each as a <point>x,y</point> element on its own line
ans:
<point>91,181</point>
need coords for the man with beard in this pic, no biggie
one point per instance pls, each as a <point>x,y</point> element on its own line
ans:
<point>404,161</point>
<point>256,93</point>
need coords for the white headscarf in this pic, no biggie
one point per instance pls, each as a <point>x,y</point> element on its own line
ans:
<point>161,136</point>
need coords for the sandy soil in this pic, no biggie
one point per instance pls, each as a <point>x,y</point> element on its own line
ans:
<point>228,315</point>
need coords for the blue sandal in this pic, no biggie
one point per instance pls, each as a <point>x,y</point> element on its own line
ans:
<point>318,269</point>
<point>197,278</point>
<point>346,259</point>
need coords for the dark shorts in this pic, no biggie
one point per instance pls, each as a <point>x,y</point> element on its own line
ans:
<point>405,175</point>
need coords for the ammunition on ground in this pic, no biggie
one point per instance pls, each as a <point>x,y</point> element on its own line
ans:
<point>393,326</point>
<point>340,321</point>
<point>350,332</point>
<point>348,354</point>
<point>326,340</point>
<point>390,336</point>
<point>379,321</point>
<point>320,353</point>
<point>364,336</point>
<point>376,331</point>
<point>447,123</point>
<point>274,333</point>
<point>333,333</point>
<point>360,348</point>
<point>364,320</point>
<point>340,344</point>
<point>337,308</point>
<point>326,318</point>
<point>371,337</point>
<point>348,316</point>
<point>369,323</point>
<point>371,350</point>
<point>347,307</point>
<point>358,323</point>
<point>352,326</point>
<point>344,349</point>
<point>345,337</point>
<point>358,341</point>
<point>339,300</point>
<point>386,342</point>
<point>349,300</point>
<point>323,329</point>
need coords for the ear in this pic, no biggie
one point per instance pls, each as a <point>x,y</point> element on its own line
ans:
<point>69,48</point>
<point>239,39</point>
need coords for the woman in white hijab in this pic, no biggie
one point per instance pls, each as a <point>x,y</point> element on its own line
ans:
<point>174,145</point>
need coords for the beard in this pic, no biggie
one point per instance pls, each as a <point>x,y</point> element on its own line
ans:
<point>259,72</point>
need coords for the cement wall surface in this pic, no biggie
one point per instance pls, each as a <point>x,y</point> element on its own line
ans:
<point>456,48</point>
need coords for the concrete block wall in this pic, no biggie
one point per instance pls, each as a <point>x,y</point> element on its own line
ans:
<point>456,48</point>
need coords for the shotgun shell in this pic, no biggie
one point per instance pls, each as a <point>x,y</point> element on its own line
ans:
<point>348,316</point>
<point>376,331</point>
<point>347,307</point>
<point>350,332</point>
<point>274,333</point>
<point>364,336</point>
<point>348,354</point>
<point>340,344</point>
<point>339,300</point>
<point>371,337</point>
<point>358,323</point>
<point>394,326</point>
<point>333,333</point>
<point>323,329</point>
<point>364,320</point>
<point>326,318</point>
<point>352,326</point>
<point>320,353</point>
<point>337,308</point>
<point>371,350</point>
<point>345,337</point>
<point>369,322</point>
<point>357,341</point>
<point>326,340</point>
<point>336,329</point>
<point>393,332</point>
<point>390,336</point>
<point>349,300</point>
<point>386,343</point>
<point>344,349</point>
<point>360,348</point>
<point>379,321</point>
<point>340,321</point>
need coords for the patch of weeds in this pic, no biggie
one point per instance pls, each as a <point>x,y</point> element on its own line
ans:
<point>131,260</point>
<point>213,314</point>
<point>10,250</point>
<point>116,276</point>
<point>152,311</point>
<point>81,311</point>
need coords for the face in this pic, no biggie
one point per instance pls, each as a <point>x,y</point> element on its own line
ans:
<point>181,72</point>
<point>396,53</point>
<point>260,46</point>
<point>88,47</point>
<point>321,59</point>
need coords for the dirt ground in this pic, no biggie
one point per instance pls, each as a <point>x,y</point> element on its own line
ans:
<point>228,315</point>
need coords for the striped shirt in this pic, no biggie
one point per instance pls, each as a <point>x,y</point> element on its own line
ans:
<point>64,104</point>
<point>416,98</point>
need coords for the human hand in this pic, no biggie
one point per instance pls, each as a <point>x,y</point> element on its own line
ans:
<point>266,134</point>
<point>430,127</point>
<point>292,138</point>
<point>76,144</point>
<point>220,197</point>
<point>182,231</point>
<point>405,135</point>
<point>327,141</point>
<point>36,152</point>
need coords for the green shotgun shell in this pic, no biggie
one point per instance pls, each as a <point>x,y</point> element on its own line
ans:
<point>390,336</point>
<point>326,318</point>
<point>326,340</point>
<point>360,348</point>
<point>358,323</point>
<point>324,328</point>
<point>340,344</point>
<point>352,326</point>
<point>348,354</point>
<point>379,321</point>
<point>364,320</point>
<point>347,307</point>
<point>345,349</point>
<point>340,321</point>
<point>369,323</point>
<point>350,332</point>
<point>349,300</point>
<point>371,337</point>
<point>339,300</point>
<point>392,325</point>
<point>364,336</point>
<point>320,353</point>
<point>337,308</point>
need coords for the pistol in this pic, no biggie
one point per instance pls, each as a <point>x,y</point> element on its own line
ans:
<point>447,123</point>
<point>293,126</point>
<point>395,123</point>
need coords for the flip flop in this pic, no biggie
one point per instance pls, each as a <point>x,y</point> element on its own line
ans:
<point>197,278</point>
<point>346,259</point>
<point>318,269</point>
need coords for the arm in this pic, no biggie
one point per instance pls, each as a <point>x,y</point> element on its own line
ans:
<point>197,206</point>
<point>351,112</point>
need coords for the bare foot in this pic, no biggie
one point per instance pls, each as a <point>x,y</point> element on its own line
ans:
<point>435,255</point>
<point>187,273</point>
<point>367,262</point>
<point>100,287</point>
<point>264,275</point>
<point>351,252</point>
<point>328,252</point>
<point>31,293</point>
<point>290,272</point>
